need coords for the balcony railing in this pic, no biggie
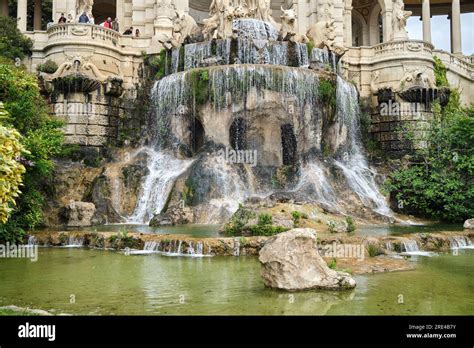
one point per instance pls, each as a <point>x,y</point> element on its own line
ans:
<point>394,47</point>
<point>84,32</point>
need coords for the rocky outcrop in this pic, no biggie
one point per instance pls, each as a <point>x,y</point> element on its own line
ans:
<point>469,224</point>
<point>291,261</point>
<point>78,214</point>
<point>175,215</point>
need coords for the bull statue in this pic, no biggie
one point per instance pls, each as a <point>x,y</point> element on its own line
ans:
<point>287,29</point>
<point>323,34</point>
<point>185,28</point>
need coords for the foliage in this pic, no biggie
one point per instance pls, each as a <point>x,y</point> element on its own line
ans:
<point>42,138</point>
<point>266,230</point>
<point>332,264</point>
<point>48,67</point>
<point>13,44</point>
<point>331,226</point>
<point>351,226</point>
<point>236,223</point>
<point>296,218</point>
<point>264,219</point>
<point>327,92</point>
<point>439,181</point>
<point>11,169</point>
<point>440,73</point>
<point>374,250</point>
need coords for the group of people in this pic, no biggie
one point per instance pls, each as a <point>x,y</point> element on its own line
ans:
<point>109,23</point>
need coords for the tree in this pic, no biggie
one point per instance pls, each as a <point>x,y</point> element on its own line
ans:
<point>13,44</point>
<point>11,170</point>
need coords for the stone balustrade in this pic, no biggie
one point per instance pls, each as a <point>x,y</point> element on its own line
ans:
<point>86,33</point>
<point>461,64</point>
<point>394,47</point>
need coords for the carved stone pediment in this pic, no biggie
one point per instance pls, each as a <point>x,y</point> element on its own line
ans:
<point>80,30</point>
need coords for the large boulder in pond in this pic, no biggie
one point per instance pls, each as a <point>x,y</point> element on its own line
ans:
<point>291,261</point>
<point>469,224</point>
<point>78,214</point>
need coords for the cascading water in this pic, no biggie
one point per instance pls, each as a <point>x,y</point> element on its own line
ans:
<point>359,176</point>
<point>411,248</point>
<point>173,248</point>
<point>181,99</point>
<point>163,169</point>
<point>460,243</point>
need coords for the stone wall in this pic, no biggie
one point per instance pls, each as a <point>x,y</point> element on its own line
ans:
<point>91,119</point>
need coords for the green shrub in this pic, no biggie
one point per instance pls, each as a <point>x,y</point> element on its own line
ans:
<point>41,137</point>
<point>438,182</point>
<point>296,217</point>
<point>266,230</point>
<point>374,250</point>
<point>332,264</point>
<point>331,226</point>
<point>236,223</point>
<point>351,226</point>
<point>13,44</point>
<point>48,67</point>
<point>264,219</point>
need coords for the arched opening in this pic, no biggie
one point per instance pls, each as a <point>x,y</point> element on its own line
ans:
<point>360,30</point>
<point>376,25</point>
<point>197,135</point>
<point>288,145</point>
<point>238,134</point>
<point>103,9</point>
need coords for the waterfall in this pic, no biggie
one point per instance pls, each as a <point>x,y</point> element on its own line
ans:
<point>302,52</point>
<point>74,242</point>
<point>196,53</point>
<point>32,240</point>
<point>410,245</point>
<point>249,28</point>
<point>174,60</point>
<point>236,251</point>
<point>360,177</point>
<point>460,242</point>
<point>163,170</point>
<point>411,248</point>
<point>324,58</point>
<point>314,176</point>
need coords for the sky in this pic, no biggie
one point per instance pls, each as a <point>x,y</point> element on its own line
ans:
<point>440,31</point>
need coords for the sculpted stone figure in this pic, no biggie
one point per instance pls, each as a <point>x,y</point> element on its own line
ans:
<point>287,30</point>
<point>416,77</point>
<point>84,6</point>
<point>323,34</point>
<point>184,27</point>
<point>399,20</point>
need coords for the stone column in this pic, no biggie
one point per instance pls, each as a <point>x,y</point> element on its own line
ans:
<point>456,27</point>
<point>3,7</point>
<point>426,18</point>
<point>21,15</point>
<point>387,25</point>
<point>348,26</point>
<point>37,15</point>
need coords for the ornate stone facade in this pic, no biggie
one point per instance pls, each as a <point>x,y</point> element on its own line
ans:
<point>371,34</point>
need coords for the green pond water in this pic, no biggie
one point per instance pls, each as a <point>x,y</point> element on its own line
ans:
<point>108,282</point>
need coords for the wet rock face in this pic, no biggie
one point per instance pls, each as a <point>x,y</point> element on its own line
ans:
<point>291,261</point>
<point>469,224</point>
<point>78,214</point>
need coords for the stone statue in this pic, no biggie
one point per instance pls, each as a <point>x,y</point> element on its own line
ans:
<point>399,20</point>
<point>416,77</point>
<point>84,6</point>
<point>323,34</point>
<point>184,27</point>
<point>287,30</point>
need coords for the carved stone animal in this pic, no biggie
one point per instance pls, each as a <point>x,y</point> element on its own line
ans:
<point>323,35</point>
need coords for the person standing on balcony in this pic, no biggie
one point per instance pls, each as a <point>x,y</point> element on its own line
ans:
<point>115,25</point>
<point>83,18</point>
<point>137,33</point>
<point>91,20</point>
<point>108,23</point>
<point>62,19</point>
<point>70,19</point>
<point>129,31</point>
